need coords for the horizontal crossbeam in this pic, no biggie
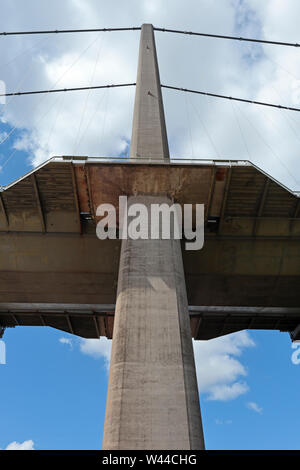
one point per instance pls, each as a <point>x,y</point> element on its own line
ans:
<point>94,320</point>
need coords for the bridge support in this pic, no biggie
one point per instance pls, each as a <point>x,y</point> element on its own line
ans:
<point>153,400</point>
<point>152,394</point>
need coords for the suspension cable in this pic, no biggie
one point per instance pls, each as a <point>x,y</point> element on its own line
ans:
<point>234,38</point>
<point>137,28</point>
<point>187,90</point>
<point>261,103</point>
<point>59,90</point>
<point>64,31</point>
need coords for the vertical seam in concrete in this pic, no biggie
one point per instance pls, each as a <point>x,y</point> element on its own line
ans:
<point>181,343</point>
<point>125,345</point>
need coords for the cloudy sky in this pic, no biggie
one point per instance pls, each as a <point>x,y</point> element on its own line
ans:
<point>99,122</point>
<point>54,386</point>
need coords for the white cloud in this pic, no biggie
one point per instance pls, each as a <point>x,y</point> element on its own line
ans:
<point>26,445</point>
<point>67,341</point>
<point>254,407</point>
<point>219,372</point>
<point>225,392</point>
<point>51,124</point>
<point>97,348</point>
<point>218,369</point>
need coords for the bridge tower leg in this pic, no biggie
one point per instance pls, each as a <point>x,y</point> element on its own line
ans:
<point>152,400</point>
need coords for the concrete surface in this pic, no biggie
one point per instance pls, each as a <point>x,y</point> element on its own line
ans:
<point>152,398</point>
<point>149,135</point>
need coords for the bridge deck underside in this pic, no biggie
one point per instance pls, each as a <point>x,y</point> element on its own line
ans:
<point>49,253</point>
<point>94,321</point>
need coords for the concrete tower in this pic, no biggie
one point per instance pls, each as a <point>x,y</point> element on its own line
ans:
<point>153,400</point>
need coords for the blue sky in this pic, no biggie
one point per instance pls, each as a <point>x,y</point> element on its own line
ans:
<point>54,394</point>
<point>53,387</point>
<point>18,165</point>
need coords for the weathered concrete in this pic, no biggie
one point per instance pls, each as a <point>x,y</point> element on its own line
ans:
<point>41,268</point>
<point>152,398</point>
<point>149,135</point>
<point>152,394</point>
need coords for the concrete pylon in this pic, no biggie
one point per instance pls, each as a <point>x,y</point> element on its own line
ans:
<point>149,135</point>
<point>152,400</point>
